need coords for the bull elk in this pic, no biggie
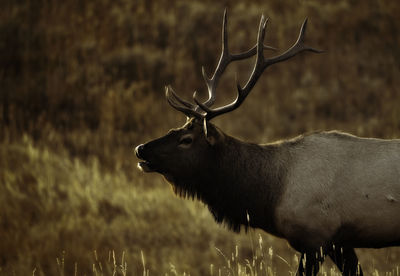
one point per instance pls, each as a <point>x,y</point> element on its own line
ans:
<point>326,193</point>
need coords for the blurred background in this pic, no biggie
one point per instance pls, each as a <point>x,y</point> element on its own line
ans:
<point>82,83</point>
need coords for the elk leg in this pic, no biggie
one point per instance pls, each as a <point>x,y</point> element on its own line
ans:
<point>312,260</point>
<point>346,260</point>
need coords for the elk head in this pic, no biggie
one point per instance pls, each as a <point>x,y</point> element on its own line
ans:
<point>186,153</point>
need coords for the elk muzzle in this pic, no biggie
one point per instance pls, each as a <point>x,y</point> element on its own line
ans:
<point>143,165</point>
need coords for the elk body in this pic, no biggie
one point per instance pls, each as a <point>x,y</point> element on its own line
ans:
<point>325,193</point>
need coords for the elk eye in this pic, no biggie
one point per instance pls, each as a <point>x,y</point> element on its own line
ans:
<point>185,140</point>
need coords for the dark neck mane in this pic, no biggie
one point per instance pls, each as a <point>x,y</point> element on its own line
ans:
<point>241,186</point>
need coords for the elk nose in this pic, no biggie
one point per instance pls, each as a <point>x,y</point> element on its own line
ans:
<point>138,151</point>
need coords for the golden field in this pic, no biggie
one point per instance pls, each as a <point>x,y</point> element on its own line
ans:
<point>82,83</point>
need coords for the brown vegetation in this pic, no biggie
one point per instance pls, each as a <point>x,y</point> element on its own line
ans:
<point>82,83</point>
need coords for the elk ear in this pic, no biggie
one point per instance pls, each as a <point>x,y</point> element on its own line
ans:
<point>213,134</point>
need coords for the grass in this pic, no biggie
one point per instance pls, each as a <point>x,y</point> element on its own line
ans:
<point>61,216</point>
<point>57,211</point>
<point>82,84</point>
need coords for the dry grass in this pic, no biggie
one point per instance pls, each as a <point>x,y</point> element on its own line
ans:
<point>82,84</point>
<point>62,216</point>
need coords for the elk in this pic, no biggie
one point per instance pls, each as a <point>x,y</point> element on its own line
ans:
<point>326,192</point>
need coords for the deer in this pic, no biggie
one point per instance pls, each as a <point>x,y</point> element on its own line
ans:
<point>325,192</point>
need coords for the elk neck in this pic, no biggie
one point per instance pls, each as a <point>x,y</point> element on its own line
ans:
<point>243,184</point>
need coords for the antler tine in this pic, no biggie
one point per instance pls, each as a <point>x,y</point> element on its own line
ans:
<point>297,47</point>
<point>179,99</point>
<point>180,104</point>
<point>225,59</point>
<point>259,67</point>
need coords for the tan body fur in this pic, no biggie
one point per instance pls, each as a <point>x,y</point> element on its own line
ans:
<point>341,187</point>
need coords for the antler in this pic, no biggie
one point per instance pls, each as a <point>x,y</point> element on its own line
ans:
<point>260,65</point>
<point>224,60</point>
<point>202,110</point>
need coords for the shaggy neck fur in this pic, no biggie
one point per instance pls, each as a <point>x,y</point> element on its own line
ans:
<point>241,186</point>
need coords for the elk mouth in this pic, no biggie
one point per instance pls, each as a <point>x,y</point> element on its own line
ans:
<point>145,166</point>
